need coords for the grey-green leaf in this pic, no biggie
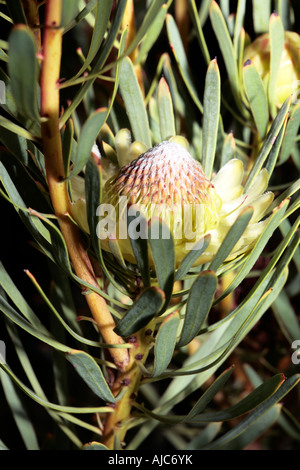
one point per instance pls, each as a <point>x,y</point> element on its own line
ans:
<point>290,134</point>
<point>165,343</point>
<point>146,306</point>
<point>232,237</point>
<point>276,47</point>
<point>69,11</point>
<point>198,306</point>
<point>257,97</point>
<point>140,246</point>
<point>211,111</point>
<point>192,256</point>
<point>88,135</point>
<point>23,70</point>
<point>165,110</point>
<point>261,15</point>
<point>268,142</point>
<point>20,415</point>
<point>226,46</point>
<point>181,59</point>
<point>153,32</point>
<point>162,249</point>
<point>91,373</point>
<point>134,102</point>
<point>103,11</point>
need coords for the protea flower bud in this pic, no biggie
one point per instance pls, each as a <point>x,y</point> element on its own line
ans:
<point>166,181</point>
<point>288,79</point>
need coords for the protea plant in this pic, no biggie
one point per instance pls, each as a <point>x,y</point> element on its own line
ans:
<point>161,206</point>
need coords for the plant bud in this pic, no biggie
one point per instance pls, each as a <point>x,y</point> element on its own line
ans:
<point>288,79</point>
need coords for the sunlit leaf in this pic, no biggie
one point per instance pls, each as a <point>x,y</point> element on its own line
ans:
<point>133,98</point>
<point>211,110</point>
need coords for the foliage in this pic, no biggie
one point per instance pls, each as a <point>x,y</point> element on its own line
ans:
<point>209,347</point>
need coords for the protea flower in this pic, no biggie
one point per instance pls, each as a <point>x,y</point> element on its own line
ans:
<point>288,79</point>
<point>166,181</point>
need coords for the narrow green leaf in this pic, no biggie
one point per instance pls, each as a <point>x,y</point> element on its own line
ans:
<point>276,30</point>
<point>102,15</point>
<point>69,11</point>
<point>19,412</point>
<point>17,298</point>
<point>134,103</point>
<point>53,406</point>
<point>228,149</point>
<point>258,248</point>
<point>192,256</point>
<point>162,249</point>
<point>211,111</point>
<point>250,402</point>
<point>274,152</point>
<point>88,135</point>
<point>152,34</point>
<point>290,134</point>
<point>165,110</point>
<point>196,18</point>
<point>146,306</point>
<point>150,17</point>
<point>81,15</point>
<point>4,57</point>
<point>232,237</point>
<point>24,150</point>
<point>52,308</point>
<point>181,59</point>
<point>27,367</point>
<point>198,306</point>
<point>227,440</point>
<point>165,343</point>
<point>91,374</point>
<point>268,142</point>
<point>68,144</point>
<point>226,46</point>
<point>3,446</point>
<point>257,97</point>
<point>286,317</point>
<point>204,437</point>
<point>238,24</point>
<point>16,129</point>
<point>23,70</point>
<point>209,394</point>
<point>16,318</point>
<point>261,15</point>
<point>255,430</point>
<point>140,247</point>
<point>117,72</point>
<point>93,193</point>
<point>100,60</point>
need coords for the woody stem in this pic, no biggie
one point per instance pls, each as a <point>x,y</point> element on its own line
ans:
<point>51,139</point>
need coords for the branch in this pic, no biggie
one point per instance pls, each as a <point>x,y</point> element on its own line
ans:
<point>51,138</point>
